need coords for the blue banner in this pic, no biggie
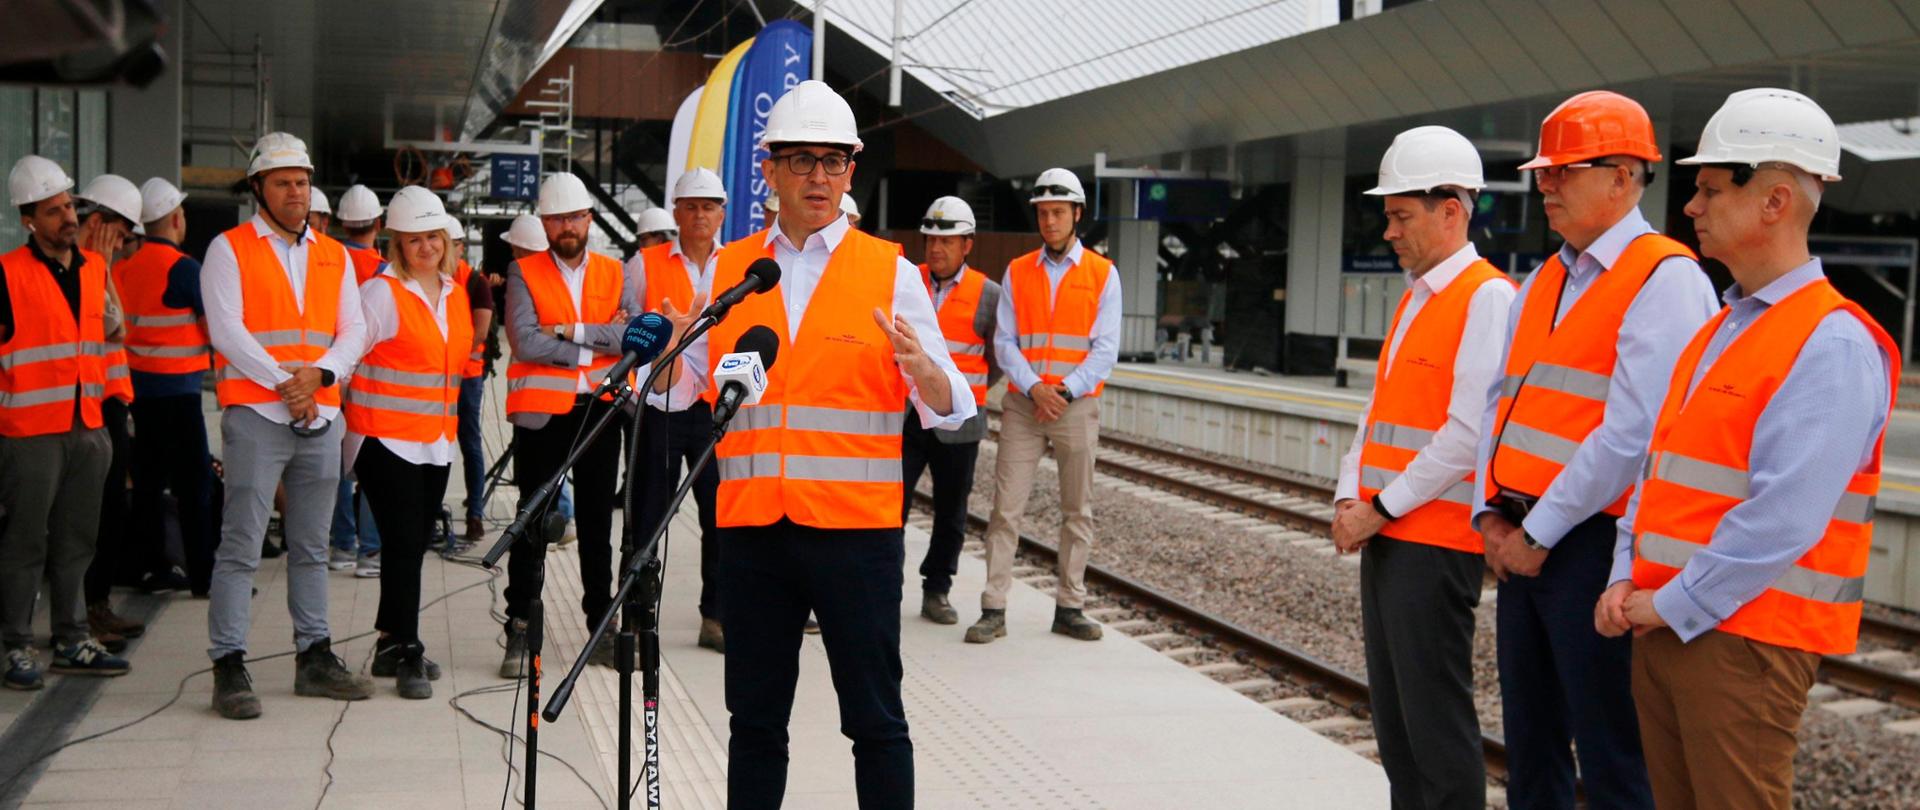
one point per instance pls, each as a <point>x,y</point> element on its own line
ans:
<point>781,57</point>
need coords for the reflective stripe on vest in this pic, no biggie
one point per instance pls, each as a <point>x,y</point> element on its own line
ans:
<point>535,387</point>
<point>295,335</point>
<point>159,339</point>
<point>1558,375</point>
<point>1409,408</point>
<point>956,315</point>
<point>1698,470</point>
<point>822,447</point>
<point>51,357</point>
<point>1055,327</point>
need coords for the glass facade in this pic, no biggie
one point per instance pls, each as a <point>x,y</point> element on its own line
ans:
<point>64,125</point>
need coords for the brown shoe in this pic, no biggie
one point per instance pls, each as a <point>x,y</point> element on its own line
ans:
<point>103,621</point>
<point>476,530</point>
<point>1073,623</point>
<point>713,636</point>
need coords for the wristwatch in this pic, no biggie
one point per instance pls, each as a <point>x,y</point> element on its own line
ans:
<point>1066,394</point>
<point>1531,543</point>
<point>559,331</point>
<point>327,378</point>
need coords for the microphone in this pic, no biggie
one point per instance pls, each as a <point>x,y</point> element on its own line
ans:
<point>645,338</point>
<point>742,374</point>
<point>761,276</point>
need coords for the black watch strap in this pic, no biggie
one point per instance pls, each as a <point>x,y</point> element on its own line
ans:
<point>1382,508</point>
<point>327,378</point>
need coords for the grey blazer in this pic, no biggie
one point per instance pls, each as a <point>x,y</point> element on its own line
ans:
<point>530,345</point>
<point>975,429</point>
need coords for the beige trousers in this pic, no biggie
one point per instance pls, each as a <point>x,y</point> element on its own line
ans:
<point>1023,440</point>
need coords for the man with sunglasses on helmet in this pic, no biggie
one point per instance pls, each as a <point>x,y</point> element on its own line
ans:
<point>283,314</point>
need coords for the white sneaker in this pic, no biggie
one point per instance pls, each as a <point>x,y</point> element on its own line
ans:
<point>368,566</point>
<point>340,559</point>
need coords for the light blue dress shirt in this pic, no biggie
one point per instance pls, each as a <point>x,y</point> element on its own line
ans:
<point>1818,430</point>
<point>1101,356</point>
<point>1676,300</point>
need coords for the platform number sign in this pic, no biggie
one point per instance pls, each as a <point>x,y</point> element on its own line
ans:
<point>516,177</point>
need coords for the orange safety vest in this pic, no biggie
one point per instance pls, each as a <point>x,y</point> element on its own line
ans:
<point>160,338</point>
<point>1698,469</point>
<point>292,334</point>
<point>366,262</point>
<point>476,364</point>
<point>822,447</point>
<point>667,279</point>
<point>1056,340</point>
<point>969,350</point>
<point>540,388</point>
<point>119,377</point>
<point>1410,405</point>
<point>1555,392</point>
<point>407,387</point>
<point>50,358</point>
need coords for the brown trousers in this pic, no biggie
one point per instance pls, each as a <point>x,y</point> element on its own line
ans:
<point>1719,719</point>
<point>1023,440</point>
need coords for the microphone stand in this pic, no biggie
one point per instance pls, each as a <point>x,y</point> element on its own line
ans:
<point>638,599</point>
<point>537,505</point>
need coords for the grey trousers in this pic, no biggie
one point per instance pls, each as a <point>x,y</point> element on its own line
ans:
<point>50,489</point>
<point>259,454</point>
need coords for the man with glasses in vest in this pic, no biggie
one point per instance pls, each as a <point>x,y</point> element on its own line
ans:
<point>1057,338</point>
<point>283,314</point>
<point>810,490</point>
<point>168,350</point>
<point>1406,487</point>
<point>967,302</point>
<point>566,310</point>
<point>1742,558</point>
<point>54,323</point>
<point>680,422</point>
<point>1589,346</point>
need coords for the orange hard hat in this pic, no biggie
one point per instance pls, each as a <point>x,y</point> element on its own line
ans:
<point>1594,124</point>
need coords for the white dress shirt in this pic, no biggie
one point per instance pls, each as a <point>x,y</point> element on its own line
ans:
<point>1105,349</point>
<point>576,280</point>
<point>688,381</point>
<point>1450,456</point>
<point>800,270</point>
<point>383,323</point>
<point>227,327</point>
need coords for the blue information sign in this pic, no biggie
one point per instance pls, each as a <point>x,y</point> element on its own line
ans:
<point>516,177</point>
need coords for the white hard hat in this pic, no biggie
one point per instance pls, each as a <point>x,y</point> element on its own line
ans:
<point>1058,185</point>
<point>278,150</point>
<point>811,113</point>
<point>656,220</point>
<point>1426,158</point>
<point>1770,125</point>
<point>848,207</point>
<point>158,198</point>
<point>35,178</point>
<point>948,216</point>
<point>526,233</point>
<point>414,209</point>
<point>359,204</point>
<point>317,201</point>
<point>455,230</point>
<point>699,183</point>
<point>114,193</point>
<point>563,194</point>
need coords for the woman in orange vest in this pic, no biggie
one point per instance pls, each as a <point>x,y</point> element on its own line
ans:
<point>1743,555</point>
<point>402,409</point>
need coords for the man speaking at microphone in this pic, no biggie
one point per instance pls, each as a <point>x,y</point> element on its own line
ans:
<point>810,490</point>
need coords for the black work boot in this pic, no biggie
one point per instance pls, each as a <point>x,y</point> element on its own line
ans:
<point>386,660</point>
<point>319,673</point>
<point>713,635</point>
<point>992,625</point>
<point>936,608</point>
<point>233,695</point>
<point>410,675</point>
<point>514,663</point>
<point>1072,622</point>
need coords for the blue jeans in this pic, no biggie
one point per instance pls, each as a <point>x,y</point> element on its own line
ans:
<point>473,452</point>
<point>564,501</point>
<point>351,517</point>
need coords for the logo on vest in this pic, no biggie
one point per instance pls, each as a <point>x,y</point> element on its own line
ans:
<point>847,338</point>
<point>1726,389</point>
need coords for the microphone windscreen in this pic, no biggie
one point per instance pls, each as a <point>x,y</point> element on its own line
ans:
<point>760,339</point>
<point>646,336</point>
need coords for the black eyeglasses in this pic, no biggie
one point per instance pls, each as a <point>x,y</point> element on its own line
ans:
<point>316,427</point>
<point>1557,172</point>
<point>802,163</point>
<point>1052,191</point>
